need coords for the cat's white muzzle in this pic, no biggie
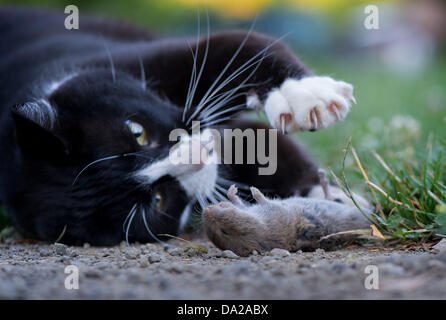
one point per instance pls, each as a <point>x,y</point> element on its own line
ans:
<point>192,162</point>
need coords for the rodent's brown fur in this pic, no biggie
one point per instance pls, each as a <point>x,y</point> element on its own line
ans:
<point>293,224</point>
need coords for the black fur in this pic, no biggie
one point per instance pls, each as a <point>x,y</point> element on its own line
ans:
<point>40,161</point>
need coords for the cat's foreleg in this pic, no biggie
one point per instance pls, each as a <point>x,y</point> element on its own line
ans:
<point>229,72</point>
<point>270,76</point>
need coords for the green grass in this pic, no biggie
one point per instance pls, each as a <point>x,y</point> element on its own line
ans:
<point>409,195</point>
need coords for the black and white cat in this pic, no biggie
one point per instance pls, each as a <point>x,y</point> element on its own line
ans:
<point>85,117</point>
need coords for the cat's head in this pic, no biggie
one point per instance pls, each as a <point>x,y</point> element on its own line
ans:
<point>95,160</point>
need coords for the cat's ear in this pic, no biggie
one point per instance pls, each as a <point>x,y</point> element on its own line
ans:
<point>34,123</point>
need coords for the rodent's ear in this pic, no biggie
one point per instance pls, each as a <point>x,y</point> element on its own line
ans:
<point>34,122</point>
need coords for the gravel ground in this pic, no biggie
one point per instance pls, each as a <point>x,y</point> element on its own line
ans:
<point>155,271</point>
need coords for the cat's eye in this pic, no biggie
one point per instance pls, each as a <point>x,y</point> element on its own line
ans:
<point>138,132</point>
<point>159,201</point>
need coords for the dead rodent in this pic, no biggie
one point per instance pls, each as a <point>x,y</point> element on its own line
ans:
<point>292,224</point>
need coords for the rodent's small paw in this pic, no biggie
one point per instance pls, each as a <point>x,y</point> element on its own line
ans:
<point>309,103</point>
<point>233,197</point>
<point>258,195</point>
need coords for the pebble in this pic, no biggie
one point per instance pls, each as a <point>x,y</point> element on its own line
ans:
<point>130,253</point>
<point>338,268</point>
<point>391,269</point>
<point>175,268</point>
<point>213,253</point>
<point>435,264</point>
<point>60,249</point>
<point>277,271</point>
<point>192,252</point>
<point>175,251</point>
<point>93,273</point>
<point>102,265</point>
<point>44,252</point>
<point>238,268</point>
<point>254,258</point>
<point>280,253</point>
<point>268,260</point>
<point>154,257</point>
<point>441,246</point>
<point>143,262</point>
<point>228,254</point>
<point>149,247</point>
<point>442,256</point>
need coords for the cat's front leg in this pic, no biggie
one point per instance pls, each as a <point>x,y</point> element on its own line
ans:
<point>293,98</point>
<point>308,104</point>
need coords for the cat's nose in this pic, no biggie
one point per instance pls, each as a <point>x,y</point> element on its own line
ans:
<point>199,154</point>
<point>191,156</point>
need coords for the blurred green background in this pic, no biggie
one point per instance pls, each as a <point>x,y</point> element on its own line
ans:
<point>398,71</point>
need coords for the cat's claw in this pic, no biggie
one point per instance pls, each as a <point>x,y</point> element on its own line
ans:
<point>308,104</point>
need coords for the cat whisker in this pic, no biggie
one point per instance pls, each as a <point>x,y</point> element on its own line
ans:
<point>224,111</point>
<point>218,96</point>
<point>138,154</point>
<point>220,189</point>
<point>146,225</point>
<point>234,75</point>
<point>126,220</point>
<point>217,121</point>
<point>204,99</point>
<point>202,201</point>
<point>222,101</point>
<point>163,213</point>
<point>131,215</point>
<point>212,199</point>
<point>92,163</point>
<point>219,195</point>
<point>143,73</point>
<point>211,109</point>
<point>194,68</point>
<point>203,63</point>
<point>226,97</point>
<point>110,58</point>
<point>108,158</point>
<point>248,64</point>
<point>197,206</point>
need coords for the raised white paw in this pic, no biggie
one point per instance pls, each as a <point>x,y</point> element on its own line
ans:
<point>310,103</point>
